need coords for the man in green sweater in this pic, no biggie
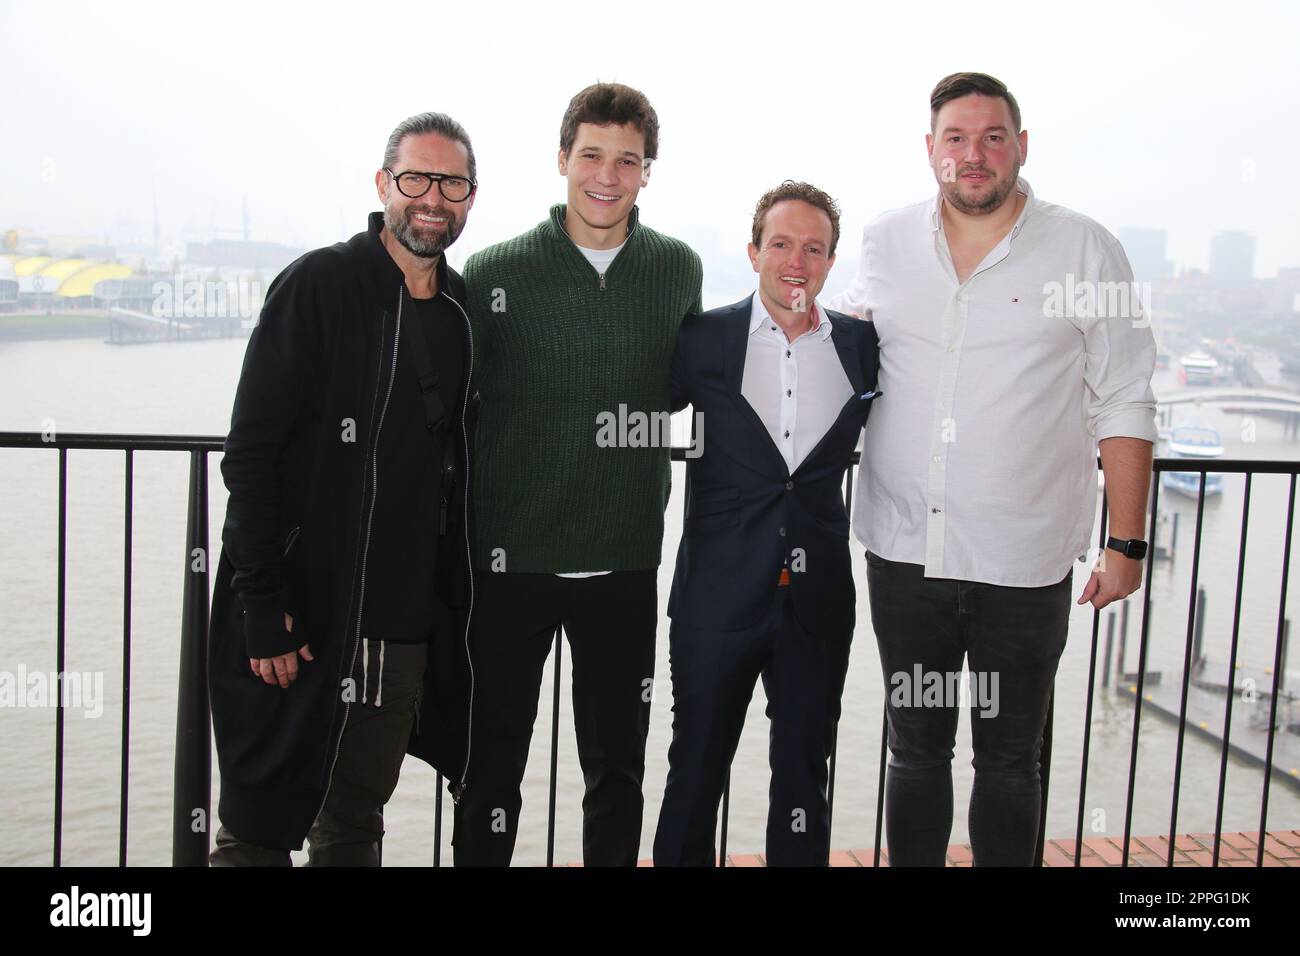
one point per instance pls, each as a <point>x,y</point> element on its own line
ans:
<point>574,324</point>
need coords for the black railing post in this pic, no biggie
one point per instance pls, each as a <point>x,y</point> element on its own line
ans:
<point>1195,610</point>
<point>1141,679</point>
<point>1198,636</point>
<point>1110,642</point>
<point>60,654</point>
<point>128,513</point>
<point>1286,645</point>
<point>192,786</point>
<point>1087,711</point>
<point>1277,674</point>
<point>1123,641</point>
<point>1232,672</point>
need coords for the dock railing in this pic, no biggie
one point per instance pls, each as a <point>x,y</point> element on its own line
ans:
<point>193,747</point>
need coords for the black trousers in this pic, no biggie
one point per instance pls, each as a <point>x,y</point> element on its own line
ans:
<point>610,621</point>
<point>714,673</point>
<point>349,830</point>
<point>1013,638</point>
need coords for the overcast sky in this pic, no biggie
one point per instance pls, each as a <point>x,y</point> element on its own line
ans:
<point>1176,115</point>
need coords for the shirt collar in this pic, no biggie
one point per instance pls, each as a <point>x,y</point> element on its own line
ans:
<point>1022,185</point>
<point>758,314</point>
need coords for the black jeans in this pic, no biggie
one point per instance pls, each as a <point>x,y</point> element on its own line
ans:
<point>1013,638</point>
<point>349,830</point>
<point>713,679</point>
<point>610,621</point>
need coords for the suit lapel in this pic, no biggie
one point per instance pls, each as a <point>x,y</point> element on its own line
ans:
<point>847,350</point>
<point>735,344</point>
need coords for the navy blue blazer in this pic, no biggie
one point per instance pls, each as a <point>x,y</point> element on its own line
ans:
<point>746,515</point>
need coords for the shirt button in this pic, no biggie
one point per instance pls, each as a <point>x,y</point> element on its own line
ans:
<point>774,328</point>
<point>936,459</point>
<point>935,511</point>
<point>788,393</point>
<point>787,353</point>
<point>787,434</point>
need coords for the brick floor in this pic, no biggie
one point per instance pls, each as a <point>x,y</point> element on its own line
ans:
<point>1282,848</point>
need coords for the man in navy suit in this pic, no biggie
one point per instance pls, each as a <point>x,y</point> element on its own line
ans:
<point>763,585</point>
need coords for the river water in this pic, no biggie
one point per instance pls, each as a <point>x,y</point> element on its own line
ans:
<point>187,388</point>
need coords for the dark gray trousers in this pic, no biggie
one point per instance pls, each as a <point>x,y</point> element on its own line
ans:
<point>349,829</point>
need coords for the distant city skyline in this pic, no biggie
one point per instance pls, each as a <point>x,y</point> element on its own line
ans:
<point>1163,122</point>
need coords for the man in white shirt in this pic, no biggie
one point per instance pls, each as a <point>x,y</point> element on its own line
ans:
<point>1012,350</point>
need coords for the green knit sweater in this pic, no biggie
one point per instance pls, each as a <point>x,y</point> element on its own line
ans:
<point>558,350</point>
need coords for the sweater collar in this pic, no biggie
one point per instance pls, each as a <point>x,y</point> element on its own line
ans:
<point>559,210</point>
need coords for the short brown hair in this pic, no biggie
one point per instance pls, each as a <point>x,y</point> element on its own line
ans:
<point>606,104</point>
<point>956,85</point>
<point>793,190</point>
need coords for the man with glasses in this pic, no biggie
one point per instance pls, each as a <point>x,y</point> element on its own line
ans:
<point>575,323</point>
<point>339,619</point>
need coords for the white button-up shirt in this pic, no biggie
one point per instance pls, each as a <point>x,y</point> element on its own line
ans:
<point>981,465</point>
<point>797,388</point>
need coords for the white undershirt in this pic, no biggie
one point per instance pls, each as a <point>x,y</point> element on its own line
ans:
<point>600,260</point>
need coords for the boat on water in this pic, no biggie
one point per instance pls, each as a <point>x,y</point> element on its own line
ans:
<point>1197,442</point>
<point>1198,368</point>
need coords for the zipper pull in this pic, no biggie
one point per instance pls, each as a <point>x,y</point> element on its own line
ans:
<point>602,282</point>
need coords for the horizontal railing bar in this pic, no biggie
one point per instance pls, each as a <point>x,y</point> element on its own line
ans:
<point>1228,466</point>
<point>127,441</point>
<point>112,442</point>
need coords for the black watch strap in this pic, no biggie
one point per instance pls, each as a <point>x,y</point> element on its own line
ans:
<point>1131,548</point>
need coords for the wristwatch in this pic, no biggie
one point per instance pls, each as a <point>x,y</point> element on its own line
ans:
<point>1133,548</point>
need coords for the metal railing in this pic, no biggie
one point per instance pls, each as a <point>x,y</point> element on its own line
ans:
<point>193,747</point>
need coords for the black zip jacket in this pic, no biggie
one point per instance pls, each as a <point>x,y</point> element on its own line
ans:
<point>300,468</point>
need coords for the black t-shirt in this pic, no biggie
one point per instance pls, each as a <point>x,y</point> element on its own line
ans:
<point>405,540</point>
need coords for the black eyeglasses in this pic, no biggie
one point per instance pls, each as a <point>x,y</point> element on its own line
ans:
<point>414,185</point>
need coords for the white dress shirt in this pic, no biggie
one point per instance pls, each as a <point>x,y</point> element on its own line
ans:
<point>797,388</point>
<point>981,466</point>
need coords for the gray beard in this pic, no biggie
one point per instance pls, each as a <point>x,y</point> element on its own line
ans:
<point>404,233</point>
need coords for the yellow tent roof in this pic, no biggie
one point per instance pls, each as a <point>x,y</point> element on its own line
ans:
<point>25,267</point>
<point>63,268</point>
<point>83,283</point>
